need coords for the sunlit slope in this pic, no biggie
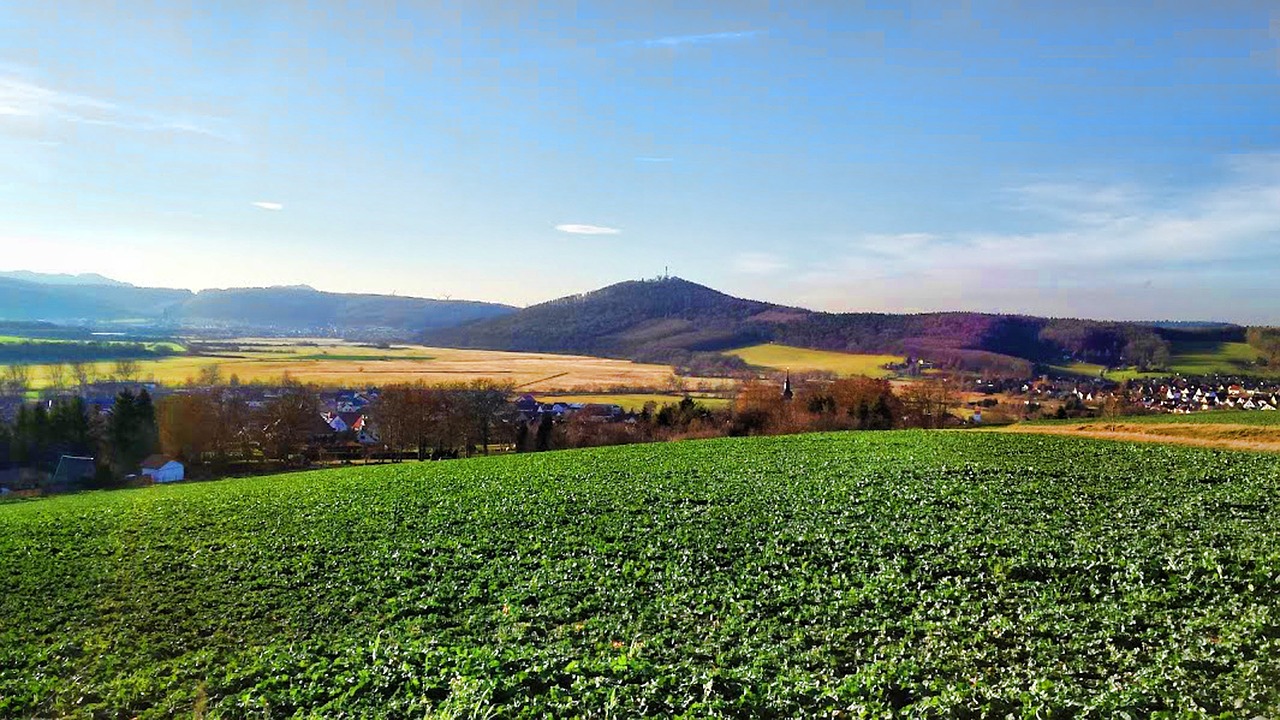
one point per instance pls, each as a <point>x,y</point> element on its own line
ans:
<point>908,573</point>
<point>1187,358</point>
<point>783,357</point>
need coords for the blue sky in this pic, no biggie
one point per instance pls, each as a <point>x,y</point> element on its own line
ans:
<point>1077,159</point>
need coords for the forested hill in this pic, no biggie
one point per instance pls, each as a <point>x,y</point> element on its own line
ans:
<point>677,321</point>
<point>289,307</point>
<point>641,319</point>
<point>27,300</point>
<point>283,309</point>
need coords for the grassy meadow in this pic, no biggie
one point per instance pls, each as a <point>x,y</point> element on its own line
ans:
<point>1187,358</point>
<point>782,357</point>
<point>929,574</point>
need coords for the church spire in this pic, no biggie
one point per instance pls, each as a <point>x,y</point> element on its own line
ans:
<point>787,394</point>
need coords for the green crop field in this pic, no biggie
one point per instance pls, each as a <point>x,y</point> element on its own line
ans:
<point>943,574</point>
<point>782,357</point>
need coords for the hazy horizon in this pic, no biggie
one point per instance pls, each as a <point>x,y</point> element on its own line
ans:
<point>1092,161</point>
<point>672,277</point>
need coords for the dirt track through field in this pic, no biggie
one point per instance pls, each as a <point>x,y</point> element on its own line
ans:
<point>1226,436</point>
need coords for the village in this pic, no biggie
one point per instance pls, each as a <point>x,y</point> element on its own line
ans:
<point>205,431</point>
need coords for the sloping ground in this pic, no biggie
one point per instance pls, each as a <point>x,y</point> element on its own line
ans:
<point>846,575</point>
<point>1232,429</point>
<point>637,319</point>
<point>1205,358</point>
<point>1227,436</point>
<point>785,357</point>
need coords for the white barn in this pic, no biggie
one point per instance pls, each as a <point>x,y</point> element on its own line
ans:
<point>163,469</point>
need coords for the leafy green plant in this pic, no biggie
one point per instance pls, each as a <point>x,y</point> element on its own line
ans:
<point>841,575</point>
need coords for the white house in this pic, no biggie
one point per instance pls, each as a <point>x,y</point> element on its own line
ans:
<point>162,469</point>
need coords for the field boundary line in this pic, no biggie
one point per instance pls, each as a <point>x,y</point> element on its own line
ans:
<point>1132,434</point>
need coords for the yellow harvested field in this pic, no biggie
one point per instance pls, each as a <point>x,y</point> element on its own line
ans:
<point>783,357</point>
<point>336,363</point>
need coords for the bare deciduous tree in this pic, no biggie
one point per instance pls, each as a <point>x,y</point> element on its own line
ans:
<point>16,380</point>
<point>57,375</point>
<point>210,375</point>
<point>928,402</point>
<point>84,373</point>
<point>125,370</point>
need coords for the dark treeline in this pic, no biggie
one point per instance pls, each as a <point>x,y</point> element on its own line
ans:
<point>39,352</point>
<point>41,435</point>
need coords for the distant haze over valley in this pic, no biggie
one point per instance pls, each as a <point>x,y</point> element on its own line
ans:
<point>667,320</point>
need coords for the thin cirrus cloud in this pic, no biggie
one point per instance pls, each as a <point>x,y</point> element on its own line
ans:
<point>699,39</point>
<point>578,229</point>
<point>267,205</point>
<point>759,263</point>
<point>22,99</point>
<point>1094,250</point>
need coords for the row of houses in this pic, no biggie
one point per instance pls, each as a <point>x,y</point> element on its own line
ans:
<point>529,410</point>
<point>1188,397</point>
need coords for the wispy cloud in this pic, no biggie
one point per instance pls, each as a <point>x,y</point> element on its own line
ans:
<point>678,40</point>
<point>267,205</point>
<point>587,229</point>
<point>649,159</point>
<point>1102,251</point>
<point>759,263</point>
<point>23,99</point>
<point>1076,202</point>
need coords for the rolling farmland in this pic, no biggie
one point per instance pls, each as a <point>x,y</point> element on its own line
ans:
<point>781,357</point>
<point>950,574</point>
<point>337,363</point>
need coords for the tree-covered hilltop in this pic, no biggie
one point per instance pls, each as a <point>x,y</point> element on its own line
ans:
<point>677,321</point>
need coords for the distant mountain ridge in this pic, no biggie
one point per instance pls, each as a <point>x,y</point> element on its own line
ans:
<point>279,309</point>
<point>669,320</point>
<point>301,307</point>
<point>61,278</point>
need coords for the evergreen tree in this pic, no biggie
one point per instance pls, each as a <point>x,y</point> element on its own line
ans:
<point>542,439</point>
<point>148,436</point>
<point>131,432</point>
<point>881,415</point>
<point>69,428</point>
